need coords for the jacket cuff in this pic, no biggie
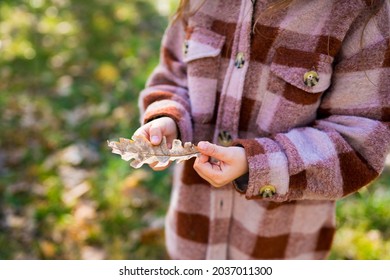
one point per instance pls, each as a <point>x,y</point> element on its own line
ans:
<point>268,176</point>
<point>174,110</point>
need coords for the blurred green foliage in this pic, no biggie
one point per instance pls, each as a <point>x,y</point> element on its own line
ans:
<point>363,221</point>
<point>70,74</point>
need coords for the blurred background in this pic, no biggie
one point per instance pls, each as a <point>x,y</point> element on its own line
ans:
<point>70,74</point>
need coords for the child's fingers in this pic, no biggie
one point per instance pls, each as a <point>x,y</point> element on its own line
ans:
<point>160,168</point>
<point>155,134</point>
<point>215,151</point>
<point>142,131</point>
<point>203,159</point>
<point>211,173</point>
<point>205,168</point>
<point>156,129</point>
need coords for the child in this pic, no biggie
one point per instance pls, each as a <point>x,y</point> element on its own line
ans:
<point>289,105</point>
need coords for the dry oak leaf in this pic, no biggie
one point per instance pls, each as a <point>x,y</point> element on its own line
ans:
<point>142,151</point>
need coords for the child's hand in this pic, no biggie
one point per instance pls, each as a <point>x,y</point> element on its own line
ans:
<point>231,163</point>
<point>155,130</point>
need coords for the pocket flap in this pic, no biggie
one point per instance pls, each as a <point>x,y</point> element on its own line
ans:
<point>293,65</point>
<point>202,42</point>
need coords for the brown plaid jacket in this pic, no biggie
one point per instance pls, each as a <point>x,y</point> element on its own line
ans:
<point>305,90</point>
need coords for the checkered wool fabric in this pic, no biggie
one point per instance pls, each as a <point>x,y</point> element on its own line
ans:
<point>313,144</point>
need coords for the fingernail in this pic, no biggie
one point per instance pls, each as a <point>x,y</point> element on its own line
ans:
<point>154,139</point>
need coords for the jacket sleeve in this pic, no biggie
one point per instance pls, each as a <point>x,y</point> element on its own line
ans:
<point>345,148</point>
<point>166,92</point>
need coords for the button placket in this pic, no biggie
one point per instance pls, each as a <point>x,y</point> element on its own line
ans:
<point>227,123</point>
<point>233,87</point>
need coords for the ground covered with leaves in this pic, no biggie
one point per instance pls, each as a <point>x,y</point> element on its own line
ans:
<point>70,74</point>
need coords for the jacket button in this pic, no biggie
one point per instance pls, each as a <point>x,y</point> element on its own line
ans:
<point>267,191</point>
<point>311,78</point>
<point>240,60</point>
<point>224,139</point>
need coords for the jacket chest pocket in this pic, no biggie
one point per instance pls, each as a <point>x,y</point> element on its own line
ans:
<point>296,84</point>
<point>202,53</point>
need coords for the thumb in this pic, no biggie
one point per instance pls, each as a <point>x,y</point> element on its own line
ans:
<point>212,150</point>
<point>155,134</point>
